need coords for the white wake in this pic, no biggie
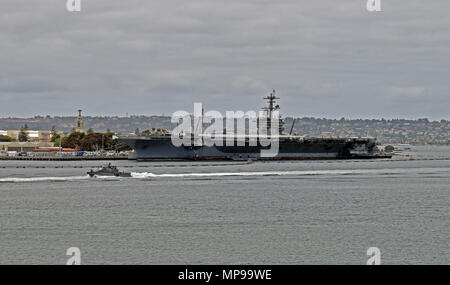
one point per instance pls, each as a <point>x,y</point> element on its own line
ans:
<point>42,179</point>
<point>142,175</point>
<point>147,175</point>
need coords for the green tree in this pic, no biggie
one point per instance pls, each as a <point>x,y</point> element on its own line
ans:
<point>23,135</point>
<point>90,131</point>
<point>95,141</point>
<point>6,139</point>
<point>54,135</point>
<point>74,140</point>
<point>57,141</point>
<point>92,142</point>
<point>137,132</point>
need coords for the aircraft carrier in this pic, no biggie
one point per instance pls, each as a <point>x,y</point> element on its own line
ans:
<point>159,146</point>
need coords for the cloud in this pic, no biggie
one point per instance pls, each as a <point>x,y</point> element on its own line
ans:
<point>413,92</point>
<point>30,86</point>
<point>325,58</point>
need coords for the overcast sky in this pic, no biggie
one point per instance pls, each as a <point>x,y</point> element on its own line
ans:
<point>325,58</point>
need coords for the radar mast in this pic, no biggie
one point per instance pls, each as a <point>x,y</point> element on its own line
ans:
<point>270,108</point>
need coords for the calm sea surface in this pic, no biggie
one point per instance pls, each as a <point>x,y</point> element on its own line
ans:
<point>293,212</point>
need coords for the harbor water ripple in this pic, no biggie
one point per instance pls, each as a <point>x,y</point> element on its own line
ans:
<point>285,212</point>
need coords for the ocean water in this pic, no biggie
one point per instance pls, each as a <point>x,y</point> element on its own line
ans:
<point>292,212</point>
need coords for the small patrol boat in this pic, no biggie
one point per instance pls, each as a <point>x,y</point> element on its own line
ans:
<point>109,170</point>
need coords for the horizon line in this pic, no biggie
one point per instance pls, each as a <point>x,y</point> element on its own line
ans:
<point>169,116</point>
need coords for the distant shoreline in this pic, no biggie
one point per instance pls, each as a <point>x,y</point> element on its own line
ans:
<point>393,131</point>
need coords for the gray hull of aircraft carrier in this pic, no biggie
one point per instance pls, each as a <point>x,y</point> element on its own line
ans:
<point>160,147</point>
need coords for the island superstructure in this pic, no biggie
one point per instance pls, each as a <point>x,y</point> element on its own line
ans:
<point>159,146</point>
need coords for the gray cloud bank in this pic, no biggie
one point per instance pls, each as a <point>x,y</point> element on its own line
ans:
<point>325,58</point>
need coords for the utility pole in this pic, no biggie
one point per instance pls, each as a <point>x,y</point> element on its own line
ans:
<point>103,139</point>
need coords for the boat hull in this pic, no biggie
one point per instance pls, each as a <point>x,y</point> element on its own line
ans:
<point>161,148</point>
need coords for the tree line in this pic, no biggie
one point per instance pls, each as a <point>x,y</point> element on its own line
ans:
<point>90,141</point>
